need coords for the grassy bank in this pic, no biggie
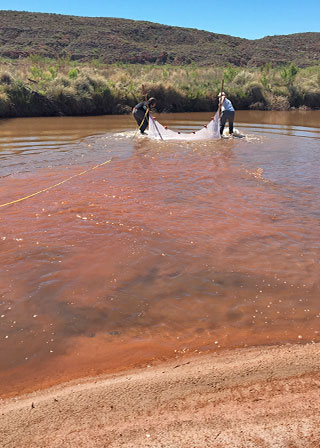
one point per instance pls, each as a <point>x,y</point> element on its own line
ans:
<point>37,86</point>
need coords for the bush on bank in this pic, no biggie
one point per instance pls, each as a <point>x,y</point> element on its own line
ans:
<point>37,86</point>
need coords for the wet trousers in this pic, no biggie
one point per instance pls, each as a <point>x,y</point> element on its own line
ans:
<point>139,116</point>
<point>227,115</point>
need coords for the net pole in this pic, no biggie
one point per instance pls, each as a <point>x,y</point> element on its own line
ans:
<point>220,103</point>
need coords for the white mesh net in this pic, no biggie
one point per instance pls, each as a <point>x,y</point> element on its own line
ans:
<point>208,132</point>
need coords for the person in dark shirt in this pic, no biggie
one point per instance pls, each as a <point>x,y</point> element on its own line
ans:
<point>141,113</point>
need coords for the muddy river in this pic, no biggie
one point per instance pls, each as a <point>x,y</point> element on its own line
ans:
<point>170,248</point>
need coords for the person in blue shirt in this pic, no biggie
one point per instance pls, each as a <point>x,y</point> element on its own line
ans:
<point>141,113</point>
<point>227,113</point>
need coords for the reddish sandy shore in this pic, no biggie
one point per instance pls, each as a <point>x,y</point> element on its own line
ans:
<point>254,397</point>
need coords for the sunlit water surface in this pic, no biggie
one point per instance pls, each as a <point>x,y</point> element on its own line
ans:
<point>170,248</point>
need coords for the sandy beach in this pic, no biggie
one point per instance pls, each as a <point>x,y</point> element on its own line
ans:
<point>252,397</point>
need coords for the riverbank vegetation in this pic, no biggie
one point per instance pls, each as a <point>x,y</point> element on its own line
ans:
<point>37,86</point>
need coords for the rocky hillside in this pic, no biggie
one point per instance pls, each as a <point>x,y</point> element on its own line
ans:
<point>118,40</point>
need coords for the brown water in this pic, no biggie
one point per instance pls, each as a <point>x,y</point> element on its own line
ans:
<point>171,248</point>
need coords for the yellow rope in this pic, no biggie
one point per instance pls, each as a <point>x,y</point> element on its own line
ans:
<point>56,185</point>
<point>147,111</point>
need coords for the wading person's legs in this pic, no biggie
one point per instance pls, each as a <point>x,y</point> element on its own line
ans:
<point>223,120</point>
<point>140,117</point>
<point>144,125</point>
<point>227,115</point>
<point>231,120</point>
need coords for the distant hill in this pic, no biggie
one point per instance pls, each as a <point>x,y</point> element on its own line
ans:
<point>120,40</point>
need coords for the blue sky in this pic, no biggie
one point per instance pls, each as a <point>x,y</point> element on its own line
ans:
<point>249,19</point>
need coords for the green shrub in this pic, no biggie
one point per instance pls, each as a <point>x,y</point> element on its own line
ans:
<point>73,73</point>
<point>230,73</point>
<point>36,59</point>
<point>20,96</point>
<point>264,81</point>
<point>53,71</point>
<point>36,72</point>
<point>288,73</point>
<point>42,86</point>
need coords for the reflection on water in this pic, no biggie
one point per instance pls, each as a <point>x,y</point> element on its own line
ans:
<point>171,248</point>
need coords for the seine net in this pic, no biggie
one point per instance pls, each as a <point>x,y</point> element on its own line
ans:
<point>208,132</point>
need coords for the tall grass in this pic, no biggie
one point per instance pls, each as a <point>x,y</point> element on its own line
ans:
<point>38,86</point>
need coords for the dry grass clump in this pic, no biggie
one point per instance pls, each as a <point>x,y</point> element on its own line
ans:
<point>243,78</point>
<point>277,102</point>
<point>40,86</point>
<point>6,78</point>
